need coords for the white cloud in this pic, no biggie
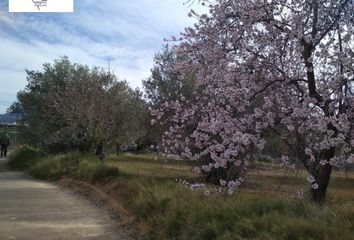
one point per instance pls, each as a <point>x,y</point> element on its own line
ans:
<point>125,33</point>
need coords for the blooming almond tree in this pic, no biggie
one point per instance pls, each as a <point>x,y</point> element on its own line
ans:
<point>285,66</point>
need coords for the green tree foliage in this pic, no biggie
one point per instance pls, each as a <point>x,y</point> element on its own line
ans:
<point>72,106</point>
<point>165,85</point>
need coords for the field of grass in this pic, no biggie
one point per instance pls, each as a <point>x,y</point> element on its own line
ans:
<point>265,207</point>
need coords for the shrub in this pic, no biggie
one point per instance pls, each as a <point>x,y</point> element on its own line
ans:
<point>22,158</point>
<point>86,167</point>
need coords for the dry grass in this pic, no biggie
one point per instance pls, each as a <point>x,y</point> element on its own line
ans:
<point>264,208</point>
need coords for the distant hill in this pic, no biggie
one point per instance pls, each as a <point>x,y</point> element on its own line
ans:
<point>8,118</point>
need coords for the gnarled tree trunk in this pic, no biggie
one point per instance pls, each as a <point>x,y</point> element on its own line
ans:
<point>322,178</point>
<point>319,194</point>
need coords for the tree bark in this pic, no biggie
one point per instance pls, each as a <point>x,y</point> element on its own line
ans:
<point>322,178</point>
<point>319,194</point>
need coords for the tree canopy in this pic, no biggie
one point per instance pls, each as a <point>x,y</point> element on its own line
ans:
<point>73,106</point>
<point>279,65</point>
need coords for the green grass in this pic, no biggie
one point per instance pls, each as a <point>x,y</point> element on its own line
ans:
<point>52,167</point>
<point>174,212</point>
<point>151,166</point>
<point>93,170</point>
<point>264,208</point>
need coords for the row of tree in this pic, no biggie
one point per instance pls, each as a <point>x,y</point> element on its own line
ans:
<point>247,72</point>
<point>69,106</point>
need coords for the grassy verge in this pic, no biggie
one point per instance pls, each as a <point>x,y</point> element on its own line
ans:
<point>264,208</point>
<point>52,167</point>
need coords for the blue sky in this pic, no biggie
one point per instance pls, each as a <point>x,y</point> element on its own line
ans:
<point>124,33</point>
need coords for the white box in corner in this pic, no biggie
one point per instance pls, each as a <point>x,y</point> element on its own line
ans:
<point>41,6</point>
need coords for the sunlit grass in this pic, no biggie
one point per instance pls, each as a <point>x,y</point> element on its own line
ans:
<point>151,165</point>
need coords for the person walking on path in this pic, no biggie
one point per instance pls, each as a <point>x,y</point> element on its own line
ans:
<point>4,142</point>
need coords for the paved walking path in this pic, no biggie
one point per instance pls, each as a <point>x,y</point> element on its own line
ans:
<point>36,210</point>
